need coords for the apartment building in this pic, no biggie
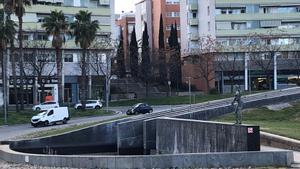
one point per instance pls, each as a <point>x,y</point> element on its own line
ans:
<point>149,11</point>
<point>197,20</point>
<point>102,10</point>
<point>236,21</point>
<point>126,22</point>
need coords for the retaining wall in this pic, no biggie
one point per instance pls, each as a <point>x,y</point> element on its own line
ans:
<point>203,160</point>
<point>175,136</point>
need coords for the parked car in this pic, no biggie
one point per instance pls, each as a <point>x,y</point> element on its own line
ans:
<point>51,116</point>
<point>140,108</point>
<point>45,106</point>
<point>90,104</point>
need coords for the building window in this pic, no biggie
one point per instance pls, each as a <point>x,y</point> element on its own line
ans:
<point>208,11</point>
<point>208,24</point>
<point>194,14</point>
<point>68,58</point>
<point>169,14</point>
<point>42,37</point>
<point>176,14</point>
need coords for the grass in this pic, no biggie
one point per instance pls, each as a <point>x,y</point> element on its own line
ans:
<point>174,100</point>
<point>57,131</point>
<point>284,122</point>
<point>25,116</point>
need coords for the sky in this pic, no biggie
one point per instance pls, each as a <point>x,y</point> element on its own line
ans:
<point>124,5</point>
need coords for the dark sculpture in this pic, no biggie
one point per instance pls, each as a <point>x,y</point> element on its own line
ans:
<point>238,105</point>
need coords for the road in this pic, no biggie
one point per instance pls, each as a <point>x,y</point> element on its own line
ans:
<point>16,131</point>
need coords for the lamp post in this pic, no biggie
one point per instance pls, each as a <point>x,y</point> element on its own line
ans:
<point>4,76</point>
<point>190,94</point>
<point>169,84</point>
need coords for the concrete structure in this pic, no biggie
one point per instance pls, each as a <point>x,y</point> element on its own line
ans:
<point>276,22</point>
<point>204,160</point>
<point>170,13</point>
<point>126,22</point>
<point>102,10</point>
<point>135,134</point>
<point>176,136</point>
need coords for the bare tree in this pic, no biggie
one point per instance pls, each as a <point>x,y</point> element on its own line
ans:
<point>39,63</point>
<point>262,50</point>
<point>102,53</point>
<point>229,62</point>
<point>296,64</point>
<point>203,57</point>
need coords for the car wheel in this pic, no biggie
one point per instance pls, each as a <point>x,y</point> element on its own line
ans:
<point>46,123</point>
<point>150,111</point>
<point>38,109</point>
<point>34,125</point>
<point>79,108</point>
<point>97,107</point>
<point>65,121</point>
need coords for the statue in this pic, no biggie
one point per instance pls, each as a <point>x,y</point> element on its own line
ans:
<point>238,105</point>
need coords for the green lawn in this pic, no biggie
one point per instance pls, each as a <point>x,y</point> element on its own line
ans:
<point>25,116</point>
<point>285,122</point>
<point>174,100</point>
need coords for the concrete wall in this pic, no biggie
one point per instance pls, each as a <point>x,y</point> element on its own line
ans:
<point>97,139</point>
<point>203,160</point>
<point>135,139</point>
<point>176,136</point>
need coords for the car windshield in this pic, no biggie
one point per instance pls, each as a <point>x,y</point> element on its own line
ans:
<point>42,113</point>
<point>136,105</point>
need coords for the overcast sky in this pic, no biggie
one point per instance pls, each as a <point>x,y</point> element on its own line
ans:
<point>124,5</point>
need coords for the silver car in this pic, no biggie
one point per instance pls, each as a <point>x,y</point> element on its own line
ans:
<point>45,106</point>
<point>90,104</point>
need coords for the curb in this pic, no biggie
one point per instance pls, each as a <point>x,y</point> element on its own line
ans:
<point>274,140</point>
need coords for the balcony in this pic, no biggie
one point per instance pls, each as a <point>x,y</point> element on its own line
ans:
<point>193,7</point>
<point>194,22</point>
<point>194,36</point>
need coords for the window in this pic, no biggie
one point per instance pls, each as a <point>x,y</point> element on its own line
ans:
<point>42,37</point>
<point>176,14</point>
<point>208,11</point>
<point>68,58</point>
<point>208,24</point>
<point>194,15</point>
<point>50,113</point>
<point>28,57</point>
<point>169,14</point>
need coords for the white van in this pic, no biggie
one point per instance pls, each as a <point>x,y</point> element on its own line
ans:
<point>51,116</point>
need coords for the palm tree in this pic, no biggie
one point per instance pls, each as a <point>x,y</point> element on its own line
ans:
<point>7,35</point>
<point>18,7</point>
<point>84,30</point>
<point>57,26</point>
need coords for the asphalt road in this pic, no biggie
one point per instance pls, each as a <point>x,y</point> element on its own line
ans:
<point>16,131</point>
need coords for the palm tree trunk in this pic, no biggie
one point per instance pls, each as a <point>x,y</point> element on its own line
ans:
<point>21,61</point>
<point>14,74</point>
<point>58,74</point>
<point>83,80</point>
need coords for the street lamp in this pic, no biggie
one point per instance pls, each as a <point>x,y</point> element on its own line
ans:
<point>190,94</point>
<point>169,84</point>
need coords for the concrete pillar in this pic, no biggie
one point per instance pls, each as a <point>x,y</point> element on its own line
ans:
<point>275,71</point>
<point>74,93</point>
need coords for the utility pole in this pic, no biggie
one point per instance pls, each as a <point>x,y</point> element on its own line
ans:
<point>107,81</point>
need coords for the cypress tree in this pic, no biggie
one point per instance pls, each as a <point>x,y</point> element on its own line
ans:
<point>162,55</point>
<point>121,57</point>
<point>145,66</point>
<point>134,54</point>
<point>175,60</point>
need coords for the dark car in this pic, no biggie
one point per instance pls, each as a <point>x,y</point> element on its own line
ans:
<point>140,108</point>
